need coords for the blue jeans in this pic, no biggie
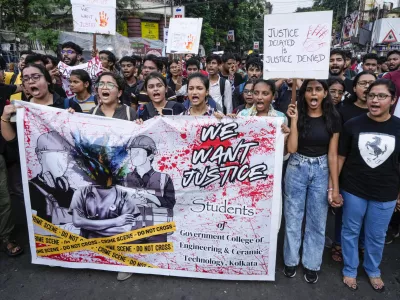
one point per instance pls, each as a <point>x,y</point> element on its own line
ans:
<point>305,191</point>
<point>338,229</point>
<point>375,216</point>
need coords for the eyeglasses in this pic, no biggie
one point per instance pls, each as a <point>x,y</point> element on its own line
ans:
<point>68,52</point>
<point>148,68</point>
<point>34,77</point>
<point>365,83</point>
<point>380,97</point>
<point>248,92</point>
<point>109,85</point>
<point>336,92</point>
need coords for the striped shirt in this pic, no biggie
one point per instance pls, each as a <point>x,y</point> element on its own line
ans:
<point>87,104</point>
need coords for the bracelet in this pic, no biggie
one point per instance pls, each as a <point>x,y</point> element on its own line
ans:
<point>4,120</point>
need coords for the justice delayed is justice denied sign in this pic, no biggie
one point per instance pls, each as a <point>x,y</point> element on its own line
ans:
<point>182,196</point>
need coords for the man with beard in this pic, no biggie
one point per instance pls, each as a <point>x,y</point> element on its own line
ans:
<point>254,67</point>
<point>128,68</point>
<point>337,63</point>
<point>71,54</point>
<point>394,75</point>
<point>370,63</point>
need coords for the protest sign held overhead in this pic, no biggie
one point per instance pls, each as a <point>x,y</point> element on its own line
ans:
<point>297,45</point>
<point>184,35</point>
<point>209,207</point>
<point>93,67</point>
<point>94,16</point>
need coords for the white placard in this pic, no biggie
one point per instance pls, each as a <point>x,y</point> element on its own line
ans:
<point>297,45</point>
<point>94,16</point>
<point>184,35</point>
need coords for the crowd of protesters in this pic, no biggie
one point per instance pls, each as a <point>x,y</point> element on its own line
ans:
<point>342,137</point>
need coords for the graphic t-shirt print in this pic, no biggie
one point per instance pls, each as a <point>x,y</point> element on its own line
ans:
<point>375,148</point>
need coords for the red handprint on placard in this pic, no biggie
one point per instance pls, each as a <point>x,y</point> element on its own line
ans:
<point>103,19</point>
<point>190,42</point>
<point>315,37</point>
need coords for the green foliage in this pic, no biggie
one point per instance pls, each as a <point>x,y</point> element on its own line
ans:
<point>245,17</point>
<point>38,19</point>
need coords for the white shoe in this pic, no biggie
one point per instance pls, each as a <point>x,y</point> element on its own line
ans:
<point>123,276</point>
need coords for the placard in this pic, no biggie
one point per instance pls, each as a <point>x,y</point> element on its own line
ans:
<point>94,16</point>
<point>178,195</point>
<point>150,30</point>
<point>297,45</point>
<point>184,35</point>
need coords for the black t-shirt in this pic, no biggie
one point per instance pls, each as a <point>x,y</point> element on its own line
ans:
<point>5,93</point>
<point>348,90</point>
<point>372,150</point>
<point>316,143</point>
<point>349,111</point>
<point>129,94</point>
<point>148,111</point>
<point>238,79</point>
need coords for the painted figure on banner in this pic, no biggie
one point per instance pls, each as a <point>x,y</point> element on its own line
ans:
<point>50,190</point>
<point>156,189</point>
<point>103,208</point>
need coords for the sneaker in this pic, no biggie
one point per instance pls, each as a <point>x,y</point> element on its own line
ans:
<point>310,276</point>
<point>123,276</point>
<point>391,235</point>
<point>289,272</point>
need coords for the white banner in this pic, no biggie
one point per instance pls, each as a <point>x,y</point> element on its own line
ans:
<point>297,45</point>
<point>94,16</point>
<point>183,196</point>
<point>93,67</point>
<point>184,35</point>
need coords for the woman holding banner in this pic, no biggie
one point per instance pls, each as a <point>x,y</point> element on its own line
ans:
<point>311,177</point>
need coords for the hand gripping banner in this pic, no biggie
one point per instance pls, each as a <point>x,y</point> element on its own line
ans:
<point>182,196</point>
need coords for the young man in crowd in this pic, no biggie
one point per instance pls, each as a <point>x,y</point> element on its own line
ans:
<point>370,63</point>
<point>254,67</point>
<point>394,75</point>
<point>349,73</point>
<point>228,70</point>
<point>108,60</point>
<point>382,66</point>
<point>71,54</point>
<point>151,63</point>
<point>337,61</point>
<point>128,68</point>
<point>220,88</point>
<point>240,66</point>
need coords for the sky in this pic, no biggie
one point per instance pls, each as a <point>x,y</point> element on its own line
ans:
<point>288,6</point>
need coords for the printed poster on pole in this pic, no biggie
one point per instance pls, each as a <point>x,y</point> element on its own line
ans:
<point>184,35</point>
<point>94,16</point>
<point>297,45</point>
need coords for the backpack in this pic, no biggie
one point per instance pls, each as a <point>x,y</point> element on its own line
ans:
<point>128,114</point>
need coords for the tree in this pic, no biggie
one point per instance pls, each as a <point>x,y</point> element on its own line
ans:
<point>41,19</point>
<point>245,17</point>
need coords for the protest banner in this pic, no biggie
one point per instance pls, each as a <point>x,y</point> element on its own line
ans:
<point>94,16</point>
<point>297,45</point>
<point>93,67</point>
<point>184,35</point>
<point>209,206</point>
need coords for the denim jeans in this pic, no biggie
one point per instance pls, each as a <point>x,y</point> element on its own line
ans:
<point>375,217</point>
<point>338,229</point>
<point>305,192</point>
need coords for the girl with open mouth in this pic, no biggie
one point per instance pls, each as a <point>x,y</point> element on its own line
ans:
<point>156,88</point>
<point>109,88</point>
<point>311,178</point>
<point>369,152</point>
<point>198,91</point>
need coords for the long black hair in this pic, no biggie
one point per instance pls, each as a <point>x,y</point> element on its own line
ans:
<point>329,112</point>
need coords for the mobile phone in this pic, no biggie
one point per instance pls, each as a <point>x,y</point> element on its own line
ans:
<point>167,112</point>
